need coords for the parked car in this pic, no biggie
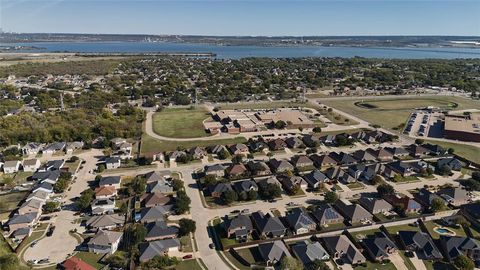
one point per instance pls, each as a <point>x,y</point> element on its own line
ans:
<point>50,231</point>
<point>189,256</point>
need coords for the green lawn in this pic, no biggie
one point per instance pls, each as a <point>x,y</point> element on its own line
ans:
<point>188,265</point>
<point>435,223</point>
<point>150,144</point>
<point>467,151</point>
<point>430,265</point>
<point>72,166</point>
<point>9,202</point>
<point>90,258</point>
<point>378,266</point>
<point>363,234</point>
<point>407,227</point>
<point>180,122</point>
<point>186,243</point>
<point>391,113</point>
<point>355,185</point>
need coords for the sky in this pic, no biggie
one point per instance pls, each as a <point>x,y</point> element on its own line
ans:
<point>243,17</point>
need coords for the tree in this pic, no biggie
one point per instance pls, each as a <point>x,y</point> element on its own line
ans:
<point>476,175</point>
<point>444,170</point>
<point>85,199</point>
<point>270,191</point>
<point>9,181</point>
<point>210,179</point>
<point>60,186</point>
<point>137,187</point>
<point>419,141</point>
<point>462,262</point>
<point>116,261</point>
<point>252,195</point>
<point>186,226</point>
<point>9,262</point>
<point>123,208</point>
<point>223,154</point>
<point>317,129</point>
<point>229,196</point>
<point>437,204</point>
<point>290,263</point>
<point>160,262</point>
<point>101,168</point>
<point>182,202</point>
<point>280,124</point>
<point>137,232</point>
<point>237,159</point>
<point>177,184</point>
<point>331,197</point>
<point>50,206</point>
<point>385,189</point>
<point>377,179</point>
<point>317,265</point>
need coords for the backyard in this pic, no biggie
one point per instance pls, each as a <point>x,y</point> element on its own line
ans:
<point>180,122</point>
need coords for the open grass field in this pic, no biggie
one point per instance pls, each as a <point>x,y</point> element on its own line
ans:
<point>8,202</point>
<point>469,152</point>
<point>262,105</point>
<point>180,122</point>
<point>390,113</point>
<point>150,144</point>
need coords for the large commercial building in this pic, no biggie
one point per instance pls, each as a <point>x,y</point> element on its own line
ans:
<point>463,127</point>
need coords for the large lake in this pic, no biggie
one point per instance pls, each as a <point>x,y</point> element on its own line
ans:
<point>256,51</point>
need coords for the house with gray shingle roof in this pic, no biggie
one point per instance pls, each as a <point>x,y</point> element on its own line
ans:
<point>302,162</point>
<point>240,226</point>
<point>152,214</point>
<point>421,243</point>
<point>323,160</point>
<point>159,230</point>
<point>452,163</point>
<point>218,170</point>
<point>113,181</point>
<point>300,222</point>
<point>11,166</point>
<point>267,225</point>
<point>455,246</point>
<point>245,186</point>
<point>375,205</point>
<point>104,242</point>
<point>22,221</point>
<point>340,247</point>
<point>454,195</point>
<point>105,222</point>
<point>354,213</point>
<point>379,246</point>
<point>308,252</point>
<point>216,191</point>
<point>279,166</point>
<point>273,252</point>
<point>157,248</point>
<point>294,142</point>
<point>325,214</point>
<point>315,178</point>
<point>259,168</point>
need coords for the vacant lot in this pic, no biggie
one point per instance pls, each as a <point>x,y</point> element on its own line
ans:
<point>8,202</point>
<point>150,144</point>
<point>180,122</point>
<point>391,113</point>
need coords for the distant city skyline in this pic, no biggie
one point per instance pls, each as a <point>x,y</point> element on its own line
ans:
<point>243,18</point>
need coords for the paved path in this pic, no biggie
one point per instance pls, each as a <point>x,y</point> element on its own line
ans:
<point>398,262</point>
<point>58,246</point>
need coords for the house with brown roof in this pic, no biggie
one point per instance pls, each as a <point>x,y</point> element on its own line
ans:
<point>407,204</point>
<point>363,156</point>
<point>155,199</point>
<point>31,165</point>
<point>381,154</point>
<point>280,165</point>
<point>104,192</point>
<point>294,142</point>
<point>301,162</point>
<point>237,170</point>
<point>258,168</point>
<point>323,161</point>
<point>277,144</point>
<point>239,149</point>
<point>418,150</point>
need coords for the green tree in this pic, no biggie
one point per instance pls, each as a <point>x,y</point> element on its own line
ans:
<point>182,202</point>
<point>419,141</point>
<point>223,154</point>
<point>186,226</point>
<point>160,262</point>
<point>444,170</point>
<point>252,195</point>
<point>280,124</point>
<point>270,191</point>
<point>385,189</point>
<point>210,179</point>
<point>462,262</point>
<point>9,262</point>
<point>50,206</point>
<point>317,129</point>
<point>177,184</point>
<point>60,186</point>
<point>317,265</point>
<point>116,261</point>
<point>85,199</point>
<point>290,263</point>
<point>331,197</point>
<point>438,204</point>
<point>137,187</point>
<point>229,196</point>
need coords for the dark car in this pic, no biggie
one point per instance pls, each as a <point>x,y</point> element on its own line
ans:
<point>50,231</point>
<point>189,256</point>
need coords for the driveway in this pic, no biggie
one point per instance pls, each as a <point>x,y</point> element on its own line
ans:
<point>398,262</point>
<point>419,265</point>
<point>61,244</point>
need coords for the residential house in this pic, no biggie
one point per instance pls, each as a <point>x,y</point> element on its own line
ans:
<point>343,158</point>
<point>159,230</point>
<point>323,161</point>
<point>110,181</point>
<point>277,144</point>
<point>375,205</point>
<point>115,143</point>
<point>300,222</point>
<point>245,186</point>
<point>52,165</point>
<point>425,197</point>
<point>407,204</point>
<point>258,146</point>
<point>155,199</point>
<point>153,214</point>
<point>31,206</point>
<point>420,166</point>
<point>273,252</point>
<point>31,165</point>
<point>328,140</point>
<point>354,213</point>
<point>32,148</point>
<point>379,246</point>
<point>159,186</point>
<point>308,252</point>
<point>104,242</point>
<point>347,179</point>
<point>363,156</point>
<point>334,173</point>
<point>294,142</point>
<point>301,162</point>
<point>455,246</point>
<point>240,227</point>
<point>72,146</point>
<point>175,155</point>
<point>454,196</point>
<point>43,186</point>
<point>21,233</point>
<point>48,176</point>
<point>105,192</point>
<point>53,148</point>
<point>452,163</point>
<point>22,221</point>
<point>105,222</point>
<point>280,166</point>
<point>315,178</point>
<point>11,166</point>
<point>218,170</point>
<point>381,154</point>
<point>311,140</point>
<point>259,168</point>
<point>267,225</point>
<point>418,150</point>
<point>293,182</point>
<point>218,149</point>
<point>157,248</point>
<point>237,170</point>
<point>38,195</point>
<point>197,152</point>
<point>103,206</point>
<point>216,191</point>
<point>421,243</point>
<point>112,163</point>
<point>239,149</point>
<point>435,149</point>
<point>402,168</point>
<point>340,247</point>
<point>325,215</point>
<point>398,152</point>
<point>155,176</point>
<point>75,263</point>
